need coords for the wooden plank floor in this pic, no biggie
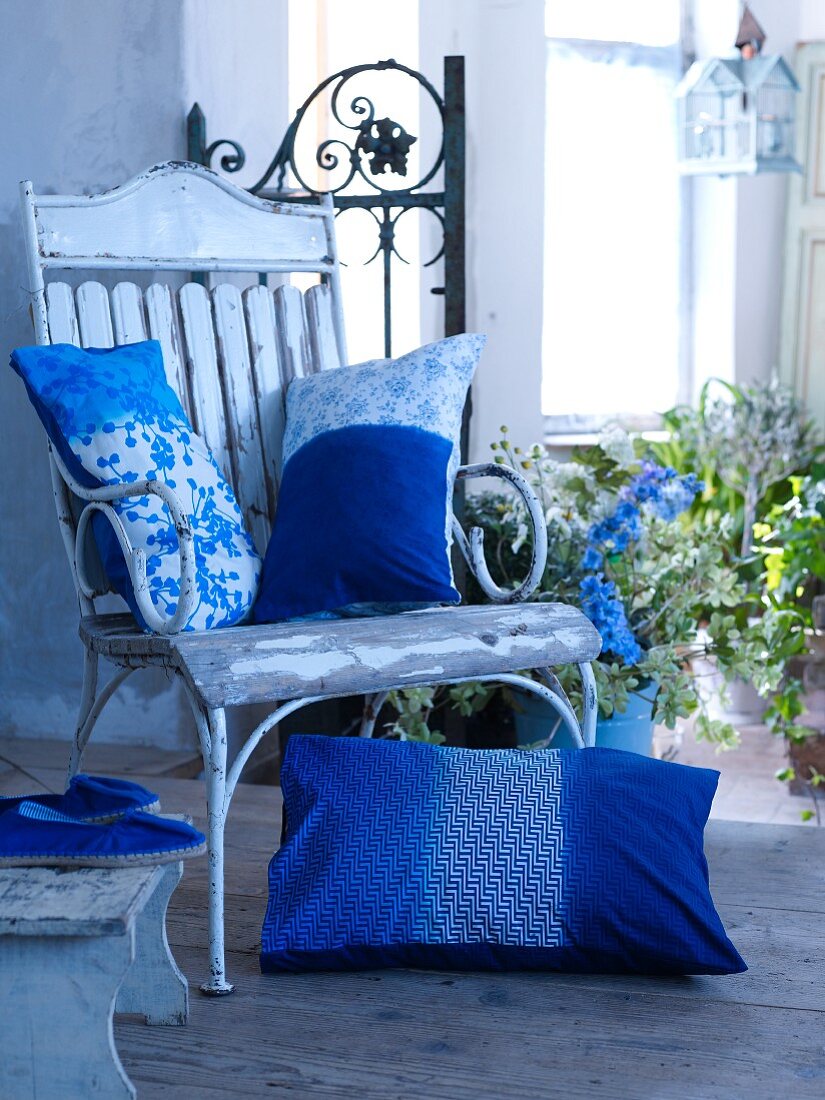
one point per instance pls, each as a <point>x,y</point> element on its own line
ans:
<point>455,1036</point>
<point>37,765</point>
<point>406,1034</point>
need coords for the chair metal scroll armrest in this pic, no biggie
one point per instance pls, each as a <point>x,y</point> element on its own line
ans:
<point>473,548</point>
<point>99,500</point>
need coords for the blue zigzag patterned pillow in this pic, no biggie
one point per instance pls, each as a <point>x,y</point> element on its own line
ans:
<point>365,506</point>
<point>407,854</point>
<point>114,419</point>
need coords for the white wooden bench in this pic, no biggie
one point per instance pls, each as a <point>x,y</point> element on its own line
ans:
<point>230,355</point>
<point>76,947</point>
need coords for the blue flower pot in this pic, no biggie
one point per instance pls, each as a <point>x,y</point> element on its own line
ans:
<point>631,731</point>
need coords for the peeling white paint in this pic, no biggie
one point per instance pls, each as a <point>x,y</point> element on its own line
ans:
<point>457,646</point>
<point>290,644</point>
<point>304,666</point>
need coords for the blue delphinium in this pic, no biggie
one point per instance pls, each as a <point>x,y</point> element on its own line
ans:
<point>606,612</point>
<point>667,494</point>
<point>621,528</point>
<point>592,560</point>
<point>658,489</point>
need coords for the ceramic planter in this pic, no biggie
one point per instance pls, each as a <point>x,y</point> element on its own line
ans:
<point>631,731</point>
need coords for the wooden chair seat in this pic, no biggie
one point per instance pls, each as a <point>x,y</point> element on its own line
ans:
<point>294,660</point>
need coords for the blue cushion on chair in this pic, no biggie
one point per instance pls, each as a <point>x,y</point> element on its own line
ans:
<point>365,505</point>
<point>113,419</point>
<point>408,854</point>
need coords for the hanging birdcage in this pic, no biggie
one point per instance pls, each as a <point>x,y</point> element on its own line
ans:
<point>737,114</point>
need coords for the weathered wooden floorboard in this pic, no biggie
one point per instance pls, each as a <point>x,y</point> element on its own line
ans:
<point>463,1036</point>
<point>777,947</point>
<point>406,1034</point>
<point>36,754</point>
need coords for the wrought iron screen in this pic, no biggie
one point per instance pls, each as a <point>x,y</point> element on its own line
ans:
<point>367,150</point>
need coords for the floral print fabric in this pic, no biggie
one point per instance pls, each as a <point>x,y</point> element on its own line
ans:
<point>114,420</point>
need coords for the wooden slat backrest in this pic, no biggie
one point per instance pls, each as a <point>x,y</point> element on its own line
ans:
<point>229,355</point>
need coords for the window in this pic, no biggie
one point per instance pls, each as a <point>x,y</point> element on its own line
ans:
<point>325,37</point>
<point>614,340</point>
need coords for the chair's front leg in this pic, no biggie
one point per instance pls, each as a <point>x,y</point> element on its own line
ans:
<point>590,704</point>
<point>217,985</point>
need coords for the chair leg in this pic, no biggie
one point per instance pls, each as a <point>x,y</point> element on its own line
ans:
<point>215,766</point>
<point>372,706</point>
<point>590,708</point>
<point>87,702</point>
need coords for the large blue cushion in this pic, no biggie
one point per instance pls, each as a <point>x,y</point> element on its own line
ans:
<point>113,419</point>
<point>408,854</point>
<point>365,505</point>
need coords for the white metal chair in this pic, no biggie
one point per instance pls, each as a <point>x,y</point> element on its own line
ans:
<point>230,356</point>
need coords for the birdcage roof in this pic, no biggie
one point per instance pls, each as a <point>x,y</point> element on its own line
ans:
<point>735,73</point>
<point>749,30</point>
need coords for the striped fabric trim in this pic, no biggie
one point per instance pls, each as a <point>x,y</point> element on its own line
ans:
<point>38,812</point>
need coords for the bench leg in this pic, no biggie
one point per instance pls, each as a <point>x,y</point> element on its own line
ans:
<point>57,996</point>
<point>216,807</point>
<point>154,986</point>
<point>91,704</point>
<point>87,699</point>
<point>590,708</point>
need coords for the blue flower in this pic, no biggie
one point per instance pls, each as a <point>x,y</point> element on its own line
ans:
<point>592,560</point>
<point>618,530</point>
<point>664,491</point>
<point>606,611</point>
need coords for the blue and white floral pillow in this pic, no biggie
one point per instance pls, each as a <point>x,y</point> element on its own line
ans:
<point>365,504</point>
<point>114,420</point>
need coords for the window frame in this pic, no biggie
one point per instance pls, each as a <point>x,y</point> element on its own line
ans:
<point>562,430</point>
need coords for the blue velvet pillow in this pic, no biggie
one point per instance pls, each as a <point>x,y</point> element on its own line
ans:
<point>113,419</point>
<point>408,854</point>
<point>365,504</point>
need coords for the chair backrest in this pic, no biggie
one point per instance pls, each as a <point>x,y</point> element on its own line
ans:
<point>229,354</point>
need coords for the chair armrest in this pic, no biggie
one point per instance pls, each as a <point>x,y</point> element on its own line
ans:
<point>473,548</point>
<point>100,500</point>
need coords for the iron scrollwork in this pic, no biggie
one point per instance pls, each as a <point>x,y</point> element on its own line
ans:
<point>386,144</point>
<point>372,155</point>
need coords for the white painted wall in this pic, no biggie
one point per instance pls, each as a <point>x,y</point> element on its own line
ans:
<point>760,226</point>
<point>739,223</point>
<point>503,43</point>
<point>92,93</point>
<point>811,20</point>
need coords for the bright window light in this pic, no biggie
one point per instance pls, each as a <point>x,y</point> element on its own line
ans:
<point>648,22</point>
<point>325,37</point>
<point>612,286</point>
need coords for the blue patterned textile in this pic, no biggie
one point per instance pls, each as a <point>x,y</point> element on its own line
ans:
<point>408,854</point>
<point>365,505</point>
<point>114,420</point>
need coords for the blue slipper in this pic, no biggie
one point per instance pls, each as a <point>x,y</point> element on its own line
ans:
<point>92,798</point>
<point>36,835</point>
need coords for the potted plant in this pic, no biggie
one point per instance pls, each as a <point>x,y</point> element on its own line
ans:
<point>747,443</point>
<point>621,548</point>
<point>791,542</point>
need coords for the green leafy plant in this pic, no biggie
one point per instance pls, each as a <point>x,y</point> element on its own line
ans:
<point>791,542</point>
<point>745,442</point>
<point>623,546</point>
<point>812,784</point>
